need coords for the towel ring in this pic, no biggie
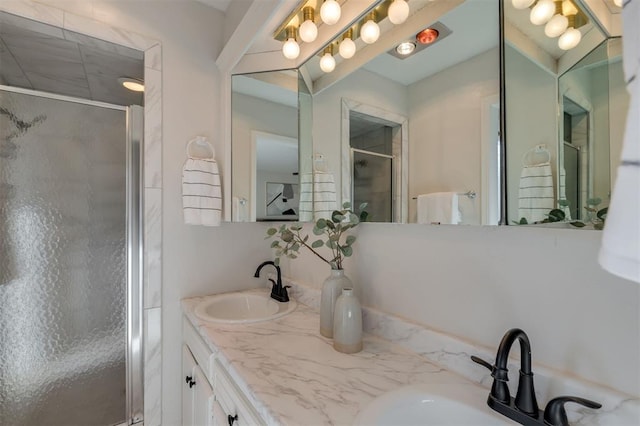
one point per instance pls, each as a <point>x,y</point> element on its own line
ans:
<point>538,149</point>
<point>201,141</point>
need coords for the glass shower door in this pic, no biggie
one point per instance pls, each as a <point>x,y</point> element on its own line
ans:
<point>63,262</point>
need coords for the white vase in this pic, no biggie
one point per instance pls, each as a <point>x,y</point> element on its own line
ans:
<point>347,323</point>
<point>331,290</point>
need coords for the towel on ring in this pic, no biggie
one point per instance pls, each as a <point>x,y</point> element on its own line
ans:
<point>201,192</point>
<point>536,198</point>
<point>439,208</point>
<point>620,250</point>
<point>317,196</point>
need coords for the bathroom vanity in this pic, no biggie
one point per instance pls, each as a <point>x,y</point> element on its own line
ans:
<point>284,372</point>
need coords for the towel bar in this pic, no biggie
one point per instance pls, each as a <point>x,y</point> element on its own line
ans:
<point>471,194</point>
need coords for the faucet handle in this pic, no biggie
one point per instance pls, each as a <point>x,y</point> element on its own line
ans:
<point>555,414</point>
<point>482,362</point>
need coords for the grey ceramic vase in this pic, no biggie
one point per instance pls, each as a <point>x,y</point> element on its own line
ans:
<point>331,290</point>
<point>347,323</point>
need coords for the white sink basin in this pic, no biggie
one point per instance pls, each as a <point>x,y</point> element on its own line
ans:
<point>237,308</point>
<point>432,404</point>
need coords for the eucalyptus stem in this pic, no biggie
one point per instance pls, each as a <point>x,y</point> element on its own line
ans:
<point>301,240</point>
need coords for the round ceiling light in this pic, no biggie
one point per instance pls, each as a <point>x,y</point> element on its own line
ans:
<point>427,36</point>
<point>370,31</point>
<point>308,31</point>
<point>542,12</point>
<point>327,62</point>
<point>569,39</point>
<point>398,12</point>
<point>330,12</point>
<point>556,26</point>
<point>347,48</point>
<point>133,84</point>
<point>405,48</point>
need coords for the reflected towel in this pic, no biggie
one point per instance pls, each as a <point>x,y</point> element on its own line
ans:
<point>317,196</point>
<point>620,251</point>
<point>439,208</point>
<point>536,198</point>
<point>201,192</point>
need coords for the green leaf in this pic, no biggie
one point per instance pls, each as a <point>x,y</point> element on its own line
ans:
<point>346,250</point>
<point>321,223</point>
<point>598,226</point>
<point>363,206</point>
<point>287,236</point>
<point>271,232</point>
<point>317,231</point>
<point>331,244</point>
<point>295,247</point>
<point>277,261</point>
<point>337,216</point>
<point>577,224</point>
<point>594,201</point>
<point>350,240</point>
<point>317,244</point>
<point>334,237</point>
<point>275,244</point>
<point>602,214</point>
<point>523,221</point>
<point>563,203</point>
<point>292,256</point>
<point>364,216</point>
<point>331,225</point>
<point>296,227</point>
<point>346,205</point>
<point>305,239</point>
<point>556,215</point>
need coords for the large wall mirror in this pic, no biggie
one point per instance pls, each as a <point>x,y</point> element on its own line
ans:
<point>563,142</point>
<point>389,127</point>
<point>413,129</point>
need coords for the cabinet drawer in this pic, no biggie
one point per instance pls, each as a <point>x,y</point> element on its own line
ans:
<point>231,399</point>
<point>198,348</point>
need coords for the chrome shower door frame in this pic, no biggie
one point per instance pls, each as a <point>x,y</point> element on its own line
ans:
<point>135,269</point>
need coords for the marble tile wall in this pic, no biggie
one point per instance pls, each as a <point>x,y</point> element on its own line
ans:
<point>152,176</point>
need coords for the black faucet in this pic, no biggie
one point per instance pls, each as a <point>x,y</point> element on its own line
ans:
<point>278,291</point>
<point>524,407</point>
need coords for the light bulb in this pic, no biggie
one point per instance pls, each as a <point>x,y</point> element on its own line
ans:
<point>542,12</point>
<point>347,48</point>
<point>398,12</point>
<point>290,49</point>
<point>308,31</point>
<point>330,12</point>
<point>327,62</point>
<point>569,39</point>
<point>522,4</point>
<point>617,3</point>
<point>370,32</point>
<point>556,26</point>
<point>405,48</point>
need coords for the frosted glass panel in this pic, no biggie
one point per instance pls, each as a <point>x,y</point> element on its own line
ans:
<point>373,184</point>
<point>62,262</point>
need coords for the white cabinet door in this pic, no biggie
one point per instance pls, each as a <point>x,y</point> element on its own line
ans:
<point>202,399</point>
<point>188,365</point>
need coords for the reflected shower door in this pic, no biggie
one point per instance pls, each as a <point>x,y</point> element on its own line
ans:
<point>63,267</point>
<point>373,184</point>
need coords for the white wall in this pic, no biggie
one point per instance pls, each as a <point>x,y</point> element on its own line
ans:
<point>445,131</point>
<point>618,107</point>
<point>477,282</point>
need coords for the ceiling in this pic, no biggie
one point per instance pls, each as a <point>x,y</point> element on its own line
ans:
<point>221,5</point>
<point>46,58</point>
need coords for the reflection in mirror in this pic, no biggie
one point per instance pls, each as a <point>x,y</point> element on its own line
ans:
<point>560,143</point>
<point>409,135</point>
<point>265,143</point>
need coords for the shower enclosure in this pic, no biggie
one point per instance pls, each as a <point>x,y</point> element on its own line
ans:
<point>70,261</point>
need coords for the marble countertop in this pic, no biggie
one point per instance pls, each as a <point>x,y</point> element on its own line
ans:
<point>292,375</point>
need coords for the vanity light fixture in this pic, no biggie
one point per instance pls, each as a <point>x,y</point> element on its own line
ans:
<point>571,36</point>
<point>308,31</point>
<point>133,84</point>
<point>330,12</point>
<point>370,31</point>
<point>398,12</point>
<point>542,12</point>
<point>328,62</point>
<point>522,4</point>
<point>290,48</point>
<point>558,23</point>
<point>347,47</point>
<point>405,48</point>
<point>617,3</point>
